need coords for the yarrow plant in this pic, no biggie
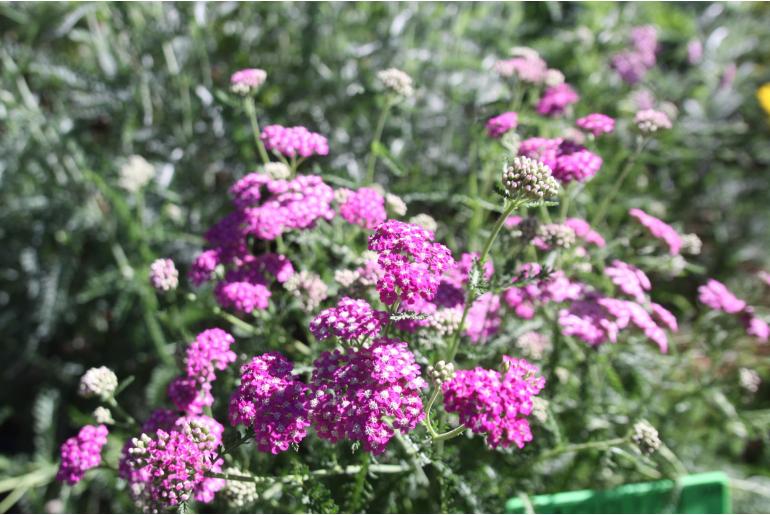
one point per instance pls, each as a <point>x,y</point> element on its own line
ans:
<point>352,342</point>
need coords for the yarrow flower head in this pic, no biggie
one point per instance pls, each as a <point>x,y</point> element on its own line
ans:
<point>629,279</point>
<point>350,320</point>
<point>495,404</point>
<point>659,229</point>
<point>357,389</point>
<point>645,437</point>
<point>397,81</point>
<point>164,275</point>
<point>210,351</point>
<point>247,81</point>
<point>103,415</point>
<point>425,221</point>
<point>632,64</point>
<point>81,453</point>
<point>525,66</point>
<point>530,179</point>
<point>567,160</point>
<point>98,382</point>
<point>410,261</point>
<point>272,402</point>
<point>715,295</point>
<point>556,99</point>
<point>364,207</point>
<point>560,236</point>
<point>277,171</point>
<point>649,121</point>
<point>596,123</point>
<point>502,123</point>
<point>395,204</point>
<point>294,141</point>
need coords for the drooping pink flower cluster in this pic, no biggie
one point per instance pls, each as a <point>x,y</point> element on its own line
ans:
<point>632,64</point>
<point>659,229</point>
<point>153,463</point>
<point>718,297</point>
<point>209,352</point>
<point>502,123</point>
<point>81,453</point>
<point>584,231</point>
<point>356,390</point>
<point>294,141</point>
<point>364,207</point>
<point>272,402</point>
<point>495,404</point>
<point>567,160</point>
<point>349,320</point>
<point>556,288</point>
<point>596,123</point>
<point>556,99</point>
<point>629,279</point>
<point>596,320</point>
<point>410,261</point>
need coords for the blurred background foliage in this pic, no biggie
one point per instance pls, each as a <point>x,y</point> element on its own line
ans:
<point>85,85</point>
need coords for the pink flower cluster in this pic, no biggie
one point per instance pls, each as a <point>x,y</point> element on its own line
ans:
<point>484,318</point>
<point>567,160</point>
<point>355,390</point>
<point>584,231</point>
<point>81,453</point>
<point>596,320</point>
<point>631,281</point>
<point>556,99</point>
<point>294,141</point>
<point>632,64</point>
<point>411,263</point>
<point>272,402</point>
<point>659,229</point>
<point>247,80</point>
<point>349,320</point>
<point>528,67</point>
<point>495,404</point>
<point>555,288</point>
<point>364,207</point>
<point>715,295</point>
<point>209,352</point>
<point>166,465</point>
<point>596,123</point>
<point>502,123</point>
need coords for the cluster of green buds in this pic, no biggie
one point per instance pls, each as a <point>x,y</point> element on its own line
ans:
<point>277,171</point>
<point>98,382</point>
<point>427,222</point>
<point>137,453</point>
<point>103,415</point>
<point>445,321</point>
<point>239,494</point>
<point>441,372</point>
<point>201,435</point>
<point>397,81</point>
<point>645,437</point>
<point>528,179</point>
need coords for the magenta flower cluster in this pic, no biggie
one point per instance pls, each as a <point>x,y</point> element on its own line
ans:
<point>502,123</point>
<point>357,390</point>
<point>81,453</point>
<point>596,124</point>
<point>633,63</point>
<point>364,207</point>
<point>294,141</point>
<point>209,352</point>
<point>349,320</point>
<point>495,404</point>
<point>659,229</point>
<point>718,297</point>
<point>567,160</point>
<point>556,99</point>
<point>410,261</point>
<point>272,402</point>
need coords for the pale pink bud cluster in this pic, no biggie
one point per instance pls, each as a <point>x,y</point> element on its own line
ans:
<point>495,404</point>
<point>649,121</point>
<point>247,81</point>
<point>164,275</point>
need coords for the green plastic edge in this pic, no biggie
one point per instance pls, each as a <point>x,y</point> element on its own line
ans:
<point>706,492</point>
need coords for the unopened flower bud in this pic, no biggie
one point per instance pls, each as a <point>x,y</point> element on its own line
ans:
<point>427,222</point>
<point>557,235</point>
<point>527,178</point>
<point>749,380</point>
<point>691,244</point>
<point>395,204</point>
<point>649,121</point>
<point>646,437</point>
<point>164,275</point>
<point>396,81</point>
<point>277,171</point>
<point>441,372</point>
<point>248,81</point>
<point>239,494</point>
<point>98,382</point>
<point>103,415</point>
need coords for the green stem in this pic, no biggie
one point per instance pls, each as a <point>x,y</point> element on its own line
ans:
<point>603,444</point>
<point>628,166</point>
<point>450,434</point>
<point>333,471</point>
<point>251,110</point>
<point>236,321</point>
<point>112,403</point>
<point>376,140</point>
